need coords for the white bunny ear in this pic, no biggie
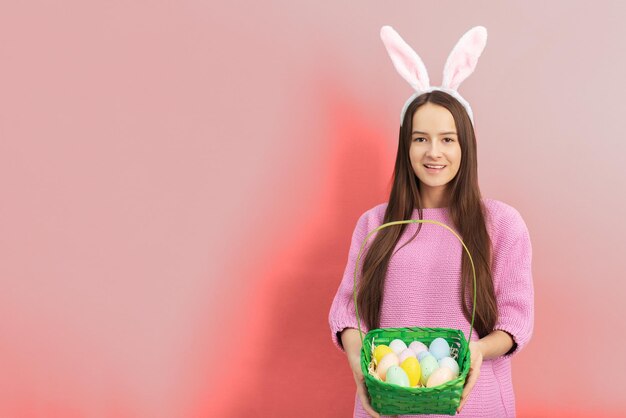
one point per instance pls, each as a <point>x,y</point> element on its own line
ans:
<point>408,64</point>
<point>464,56</point>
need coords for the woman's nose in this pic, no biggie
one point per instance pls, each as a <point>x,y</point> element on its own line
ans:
<point>433,150</point>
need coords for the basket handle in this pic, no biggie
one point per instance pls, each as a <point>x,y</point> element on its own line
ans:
<point>356,308</point>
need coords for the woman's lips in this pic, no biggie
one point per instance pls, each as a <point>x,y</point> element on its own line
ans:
<point>434,170</point>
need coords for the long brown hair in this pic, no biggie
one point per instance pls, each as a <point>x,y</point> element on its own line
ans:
<point>466,211</point>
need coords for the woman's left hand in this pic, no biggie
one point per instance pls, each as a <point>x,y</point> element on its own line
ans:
<point>476,360</point>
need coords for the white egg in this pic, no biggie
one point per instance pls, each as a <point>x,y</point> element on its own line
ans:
<point>451,364</point>
<point>398,346</point>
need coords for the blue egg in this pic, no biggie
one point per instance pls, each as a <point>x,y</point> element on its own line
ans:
<point>439,348</point>
<point>422,354</point>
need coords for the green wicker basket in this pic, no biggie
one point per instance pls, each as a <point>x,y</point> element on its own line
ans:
<point>391,399</point>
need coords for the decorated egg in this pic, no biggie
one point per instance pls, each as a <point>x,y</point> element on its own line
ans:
<point>423,354</point>
<point>439,348</point>
<point>380,351</point>
<point>418,347</point>
<point>428,365</point>
<point>385,363</point>
<point>451,364</point>
<point>397,376</point>
<point>406,354</point>
<point>439,377</point>
<point>413,370</point>
<point>397,346</point>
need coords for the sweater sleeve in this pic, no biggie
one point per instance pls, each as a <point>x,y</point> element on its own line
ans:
<point>513,282</point>
<point>342,313</point>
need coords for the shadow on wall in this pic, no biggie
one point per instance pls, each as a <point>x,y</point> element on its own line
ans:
<point>302,373</point>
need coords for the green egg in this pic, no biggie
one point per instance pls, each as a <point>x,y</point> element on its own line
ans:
<point>397,376</point>
<point>428,364</point>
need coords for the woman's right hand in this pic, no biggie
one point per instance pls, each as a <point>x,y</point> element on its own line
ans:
<point>361,389</point>
<point>351,342</point>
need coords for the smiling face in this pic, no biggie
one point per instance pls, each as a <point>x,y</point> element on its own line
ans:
<point>434,143</point>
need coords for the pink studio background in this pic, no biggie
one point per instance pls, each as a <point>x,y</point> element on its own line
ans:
<point>180,180</point>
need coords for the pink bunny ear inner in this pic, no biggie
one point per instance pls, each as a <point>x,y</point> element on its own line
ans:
<point>408,64</point>
<point>464,56</point>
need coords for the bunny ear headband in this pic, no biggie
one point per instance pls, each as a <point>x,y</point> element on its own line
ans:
<point>459,65</point>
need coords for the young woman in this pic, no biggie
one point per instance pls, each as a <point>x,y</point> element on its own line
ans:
<point>419,275</point>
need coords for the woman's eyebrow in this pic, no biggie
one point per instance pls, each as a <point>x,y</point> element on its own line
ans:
<point>440,133</point>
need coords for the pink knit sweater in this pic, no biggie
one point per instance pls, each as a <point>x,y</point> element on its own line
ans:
<point>422,289</point>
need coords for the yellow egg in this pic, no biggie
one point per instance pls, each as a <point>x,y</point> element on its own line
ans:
<point>380,351</point>
<point>412,368</point>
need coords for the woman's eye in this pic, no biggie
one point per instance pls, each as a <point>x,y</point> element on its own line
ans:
<point>448,139</point>
<point>419,139</point>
